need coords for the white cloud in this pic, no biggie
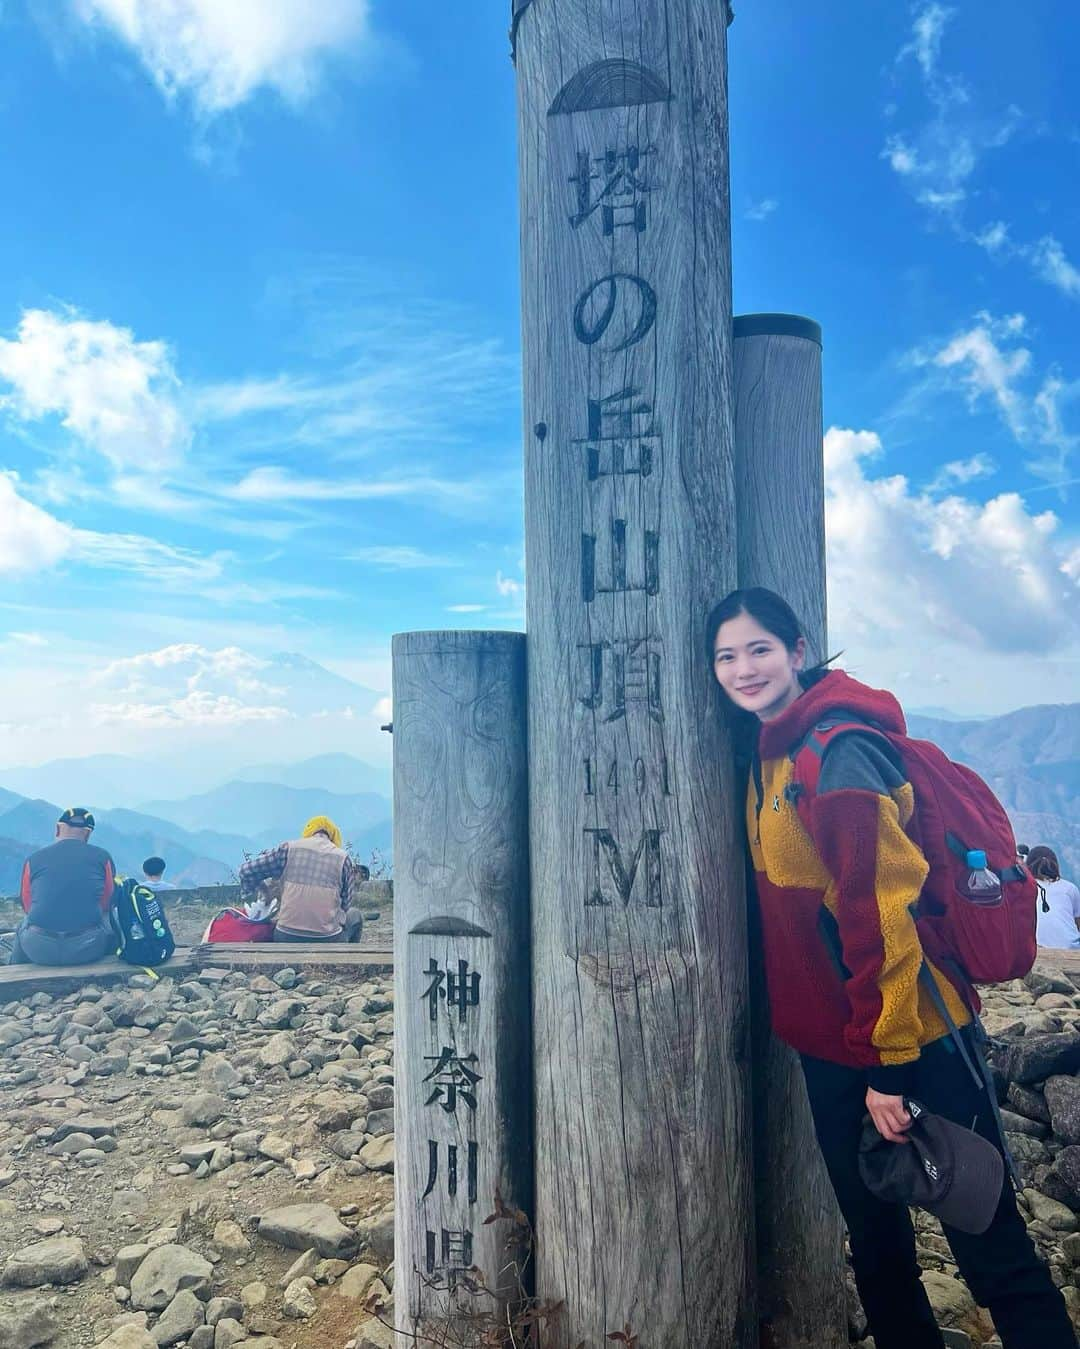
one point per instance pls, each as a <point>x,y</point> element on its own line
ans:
<point>987,368</point>
<point>271,483</point>
<point>761,210</point>
<point>30,539</point>
<point>222,52</point>
<point>194,709</point>
<point>939,157</point>
<point>989,363</point>
<point>115,394</point>
<point>401,557</point>
<point>465,608</point>
<point>928,29</point>
<point>508,587</point>
<point>960,471</point>
<point>908,567</point>
<point>1052,266</point>
<point>994,238</point>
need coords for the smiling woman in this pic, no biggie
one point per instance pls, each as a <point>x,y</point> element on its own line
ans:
<point>865,976</point>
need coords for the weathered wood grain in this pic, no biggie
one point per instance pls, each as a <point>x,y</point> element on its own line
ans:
<point>643,1172</point>
<point>461,972</point>
<point>781,535</point>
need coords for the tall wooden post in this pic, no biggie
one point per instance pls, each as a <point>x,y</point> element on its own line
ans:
<point>781,535</point>
<point>463,1115</point>
<point>643,1166</point>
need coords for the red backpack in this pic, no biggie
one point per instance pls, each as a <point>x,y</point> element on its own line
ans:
<point>955,812</point>
<point>234,925</point>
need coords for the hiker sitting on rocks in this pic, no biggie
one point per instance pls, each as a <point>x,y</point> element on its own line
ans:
<point>65,891</point>
<point>318,885</point>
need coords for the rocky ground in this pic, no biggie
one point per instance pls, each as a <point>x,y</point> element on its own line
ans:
<point>208,1160</point>
<point>204,1161</point>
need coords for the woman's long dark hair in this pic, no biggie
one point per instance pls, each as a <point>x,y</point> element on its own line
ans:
<point>1043,864</point>
<point>776,616</point>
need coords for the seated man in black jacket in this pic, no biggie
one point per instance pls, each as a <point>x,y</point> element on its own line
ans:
<point>66,889</point>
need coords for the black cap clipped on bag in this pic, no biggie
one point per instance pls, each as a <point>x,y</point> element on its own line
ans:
<point>950,1171</point>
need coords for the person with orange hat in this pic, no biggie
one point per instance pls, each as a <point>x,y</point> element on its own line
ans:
<point>318,884</point>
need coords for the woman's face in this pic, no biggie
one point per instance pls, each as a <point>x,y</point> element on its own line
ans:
<point>754,667</point>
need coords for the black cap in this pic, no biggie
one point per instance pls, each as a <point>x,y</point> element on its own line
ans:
<point>952,1172</point>
<point>78,817</point>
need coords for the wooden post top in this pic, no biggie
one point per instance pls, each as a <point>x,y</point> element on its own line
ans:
<point>776,325</point>
<point>453,640</point>
<point>518,8</point>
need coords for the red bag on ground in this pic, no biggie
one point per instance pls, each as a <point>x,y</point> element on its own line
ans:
<point>235,925</point>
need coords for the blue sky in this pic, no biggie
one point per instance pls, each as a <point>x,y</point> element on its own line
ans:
<point>259,342</point>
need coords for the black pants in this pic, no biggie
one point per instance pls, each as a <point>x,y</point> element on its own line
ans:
<point>1000,1267</point>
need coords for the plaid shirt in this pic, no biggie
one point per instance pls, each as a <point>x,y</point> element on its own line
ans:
<point>271,863</point>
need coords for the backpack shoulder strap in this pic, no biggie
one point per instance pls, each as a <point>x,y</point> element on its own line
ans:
<point>808,753</point>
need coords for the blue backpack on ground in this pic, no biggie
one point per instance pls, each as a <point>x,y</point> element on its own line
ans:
<point>138,919</point>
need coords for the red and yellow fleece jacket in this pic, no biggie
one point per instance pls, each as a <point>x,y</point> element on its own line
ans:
<point>842,951</point>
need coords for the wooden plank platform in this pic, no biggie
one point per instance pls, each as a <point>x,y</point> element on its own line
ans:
<point>20,981</point>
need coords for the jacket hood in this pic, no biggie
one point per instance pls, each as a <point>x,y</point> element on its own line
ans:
<point>834,692</point>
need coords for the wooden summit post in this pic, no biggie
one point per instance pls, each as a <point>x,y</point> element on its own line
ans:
<point>781,537</point>
<point>463,1112</point>
<point>643,1155</point>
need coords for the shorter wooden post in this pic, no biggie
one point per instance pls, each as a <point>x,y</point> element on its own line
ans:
<point>463,1098</point>
<point>781,540</point>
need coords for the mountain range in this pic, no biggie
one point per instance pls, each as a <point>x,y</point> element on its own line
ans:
<point>203,837</point>
<point>1031,758</point>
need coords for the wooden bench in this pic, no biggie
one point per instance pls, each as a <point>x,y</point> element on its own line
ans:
<point>20,981</point>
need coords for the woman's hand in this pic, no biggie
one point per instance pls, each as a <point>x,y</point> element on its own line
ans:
<point>889,1116</point>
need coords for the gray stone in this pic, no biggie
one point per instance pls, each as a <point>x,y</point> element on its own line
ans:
<point>304,1265</point>
<point>222,1308</point>
<point>1063,1101</point>
<point>301,1226</point>
<point>286,978</point>
<point>346,1144</point>
<point>299,1302</point>
<point>129,1337</point>
<point>380,1096</point>
<point>1037,1057</point>
<point>204,1108</point>
<point>378,1155</point>
<point>183,1315</point>
<point>27,1325</point>
<point>1043,978</point>
<point>58,1260</point>
<point>202,1337</point>
<point>229,1238</point>
<point>166,1271</point>
<point>275,1147</point>
<point>229,1331</point>
<point>377,1235</point>
<point>278,1050</point>
<point>379,1123</point>
<point>355,1282</point>
<point>128,1260</point>
<point>1020,1124</point>
<point>372,1334</point>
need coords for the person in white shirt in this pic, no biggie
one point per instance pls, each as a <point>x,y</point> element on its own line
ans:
<point>1058,921</point>
<point>153,871</point>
